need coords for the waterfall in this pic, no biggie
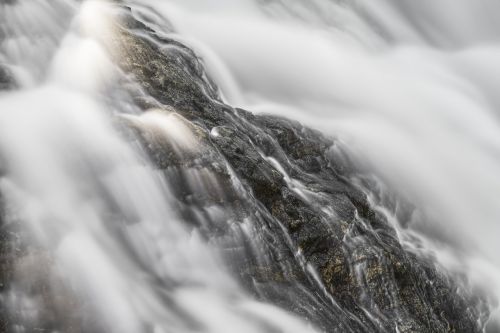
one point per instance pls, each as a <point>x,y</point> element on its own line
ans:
<point>411,85</point>
<point>92,201</point>
<point>124,210</point>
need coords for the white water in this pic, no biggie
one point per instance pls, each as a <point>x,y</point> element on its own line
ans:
<point>412,85</point>
<point>93,206</point>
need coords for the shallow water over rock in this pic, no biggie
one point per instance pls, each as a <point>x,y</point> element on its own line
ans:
<point>135,198</point>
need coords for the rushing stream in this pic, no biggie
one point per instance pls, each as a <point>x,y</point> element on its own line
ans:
<point>409,86</point>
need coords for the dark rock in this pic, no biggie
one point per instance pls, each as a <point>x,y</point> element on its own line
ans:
<point>311,207</point>
<point>283,206</point>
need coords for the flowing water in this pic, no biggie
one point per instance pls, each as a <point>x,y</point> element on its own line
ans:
<point>410,86</point>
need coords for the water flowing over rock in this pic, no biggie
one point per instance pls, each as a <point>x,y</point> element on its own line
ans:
<point>297,220</point>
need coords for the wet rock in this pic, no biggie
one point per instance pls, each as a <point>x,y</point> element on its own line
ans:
<point>280,202</point>
<point>308,214</point>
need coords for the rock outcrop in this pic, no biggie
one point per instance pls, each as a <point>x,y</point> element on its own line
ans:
<point>314,225</point>
<point>283,202</point>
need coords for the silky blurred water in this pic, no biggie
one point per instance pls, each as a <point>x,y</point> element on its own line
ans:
<point>410,86</point>
<point>92,202</point>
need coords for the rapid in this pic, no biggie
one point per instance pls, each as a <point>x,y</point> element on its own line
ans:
<point>409,86</point>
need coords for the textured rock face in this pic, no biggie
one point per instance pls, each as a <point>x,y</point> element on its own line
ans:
<point>296,186</point>
<point>284,204</point>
